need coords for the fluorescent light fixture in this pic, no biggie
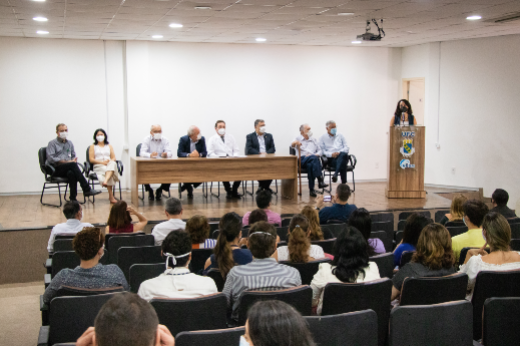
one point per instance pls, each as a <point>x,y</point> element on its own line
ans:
<point>356,42</point>
<point>345,14</point>
<point>175,25</point>
<point>42,32</point>
<point>261,39</point>
<point>157,36</point>
<point>202,7</point>
<point>40,19</point>
<point>473,17</point>
<point>39,0</point>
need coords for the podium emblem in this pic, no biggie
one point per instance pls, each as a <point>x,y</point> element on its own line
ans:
<point>407,149</point>
<point>405,163</point>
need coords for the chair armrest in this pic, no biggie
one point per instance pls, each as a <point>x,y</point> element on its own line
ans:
<point>49,168</point>
<point>43,306</point>
<point>325,160</point>
<point>353,160</point>
<point>43,336</point>
<point>120,167</point>
<point>47,280</point>
<point>82,167</point>
<point>48,265</point>
<point>87,169</point>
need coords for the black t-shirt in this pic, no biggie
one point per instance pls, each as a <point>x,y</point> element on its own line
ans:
<point>418,270</point>
<point>505,211</point>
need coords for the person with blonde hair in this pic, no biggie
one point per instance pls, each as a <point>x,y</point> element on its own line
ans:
<point>299,248</point>
<point>314,223</point>
<point>456,211</point>
<point>434,257</point>
<point>497,235</point>
<point>198,229</point>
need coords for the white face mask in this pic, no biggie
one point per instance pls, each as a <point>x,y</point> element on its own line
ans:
<point>221,132</point>
<point>100,138</point>
<point>64,135</point>
<point>199,136</point>
<point>262,129</point>
<point>243,341</point>
<point>157,136</point>
<point>309,134</point>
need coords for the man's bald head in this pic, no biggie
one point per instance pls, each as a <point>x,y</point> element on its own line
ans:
<point>155,129</point>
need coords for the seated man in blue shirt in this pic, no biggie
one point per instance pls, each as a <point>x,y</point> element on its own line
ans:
<point>335,148</point>
<point>340,210</point>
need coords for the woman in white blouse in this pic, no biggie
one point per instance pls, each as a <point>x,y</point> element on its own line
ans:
<point>299,249</point>
<point>350,265</point>
<point>102,157</point>
<point>497,234</point>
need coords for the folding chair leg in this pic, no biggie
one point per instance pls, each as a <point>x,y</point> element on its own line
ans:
<point>49,204</point>
<point>353,182</point>
<point>142,190</point>
<point>211,189</point>
<point>205,190</point>
<point>276,187</point>
<point>252,186</point>
<point>180,191</point>
<point>120,194</point>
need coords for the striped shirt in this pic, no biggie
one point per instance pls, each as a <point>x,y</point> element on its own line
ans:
<point>208,244</point>
<point>261,273</point>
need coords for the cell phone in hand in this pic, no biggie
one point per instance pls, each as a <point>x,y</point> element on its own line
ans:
<point>327,198</point>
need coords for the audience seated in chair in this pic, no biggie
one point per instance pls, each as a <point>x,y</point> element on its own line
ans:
<point>499,198</point>
<point>299,248</point>
<point>340,210</point>
<point>263,201</point>
<point>73,212</point>
<point>456,211</point>
<point>88,245</point>
<point>497,234</point>
<point>126,320</point>
<point>412,230</point>
<point>103,160</point>
<point>273,322</point>
<point>120,219</point>
<point>361,220</point>
<point>474,212</point>
<point>314,222</point>
<point>264,272</point>
<point>177,281</point>
<point>434,257</point>
<point>198,229</point>
<point>350,265</point>
<point>173,211</point>
<point>255,216</point>
<point>227,251</point>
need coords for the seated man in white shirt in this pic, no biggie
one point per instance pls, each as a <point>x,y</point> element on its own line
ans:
<point>224,144</point>
<point>173,211</point>
<point>335,147</point>
<point>177,281</point>
<point>74,213</point>
<point>156,146</point>
<point>310,156</point>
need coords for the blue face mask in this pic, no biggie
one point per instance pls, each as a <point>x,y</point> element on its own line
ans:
<point>464,220</point>
<point>333,131</point>
<point>243,341</point>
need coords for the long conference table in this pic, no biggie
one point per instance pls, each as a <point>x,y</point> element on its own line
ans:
<point>202,169</point>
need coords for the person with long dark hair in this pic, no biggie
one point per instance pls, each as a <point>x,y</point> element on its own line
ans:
<point>403,113</point>
<point>274,322</point>
<point>299,248</point>
<point>350,265</point>
<point>101,155</point>
<point>120,219</point>
<point>412,230</point>
<point>361,220</point>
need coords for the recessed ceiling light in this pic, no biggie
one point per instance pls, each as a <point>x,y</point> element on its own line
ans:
<point>42,32</point>
<point>356,42</point>
<point>260,39</point>
<point>39,0</point>
<point>175,25</point>
<point>345,14</point>
<point>40,19</point>
<point>202,7</point>
<point>473,17</point>
<point>157,36</point>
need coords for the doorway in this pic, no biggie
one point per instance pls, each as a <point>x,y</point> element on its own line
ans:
<point>413,91</point>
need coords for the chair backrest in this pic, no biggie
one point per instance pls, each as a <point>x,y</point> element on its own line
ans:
<point>198,259</point>
<point>378,217</point>
<point>62,245</point>
<point>387,226</point>
<point>350,329</point>
<point>463,254</point>
<point>128,256</point>
<point>42,157</point>
<point>440,324</point>
<point>439,214</point>
<point>286,222</point>
<point>114,243</point>
<point>299,297</point>
<point>69,317</point>
<point>515,230</point>
<point>500,322</point>
<point>398,237</point>
<point>405,214</point>
<point>69,291</point>
<point>491,284</point>
<point>282,233</point>
<point>383,236</point>
<point>515,244</point>
<point>339,298</point>
<point>64,236</point>
<point>138,150</point>
<point>434,290</point>
<point>222,337</point>
<point>334,228</point>
<point>183,315</point>
<point>292,151</point>
<point>215,234</point>
<point>406,257</point>
<point>64,259</point>
<point>213,226</point>
<point>110,235</point>
<point>400,225</point>
<point>327,245</point>
<point>139,273</point>
<point>217,277</point>
<point>456,230</point>
<point>307,270</point>
<point>385,263</point>
<point>88,165</point>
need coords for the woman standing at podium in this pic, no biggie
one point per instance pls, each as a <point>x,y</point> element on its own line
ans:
<point>403,114</point>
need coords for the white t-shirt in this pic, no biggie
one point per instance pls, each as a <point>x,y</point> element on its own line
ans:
<point>162,230</point>
<point>315,252</point>
<point>177,283</point>
<point>72,226</point>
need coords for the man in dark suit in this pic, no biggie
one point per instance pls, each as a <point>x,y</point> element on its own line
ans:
<point>191,145</point>
<point>260,142</point>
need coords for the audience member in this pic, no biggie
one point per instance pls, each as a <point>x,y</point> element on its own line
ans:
<point>264,272</point>
<point>88,245</point>
<point>257,215</point>
<point>340,210</point>
<point>434,257</point>
<point>274,322</point>
<point>74,214</point>
<point>177,281</point>
<point>173,211</point>
<point>227,251</point>
<point>263,201</point>
<point>299,249</point>
<point>474,212</point>
<point>101,155</point>
<point>126,320</point>
<point>350,264</point>
<point>499,198</point>
<point>412,230</point>
<point>198,229</point>
<point>456,212</point>
<point>120,219</point>
<point>496,233</point>
<point>361,220</point>
<point>314,223</point>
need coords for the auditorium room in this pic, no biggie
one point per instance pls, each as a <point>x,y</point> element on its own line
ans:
<point>259,172</point>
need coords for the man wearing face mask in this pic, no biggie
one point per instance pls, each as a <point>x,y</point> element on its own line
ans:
<point>191,145</point>
<point>223,144</point>
<point>335,147</point>
<point>403,114</point>
<point>260,142</point>
<point>62,157</point>
<point>310,156</point>
<point>156,146</point>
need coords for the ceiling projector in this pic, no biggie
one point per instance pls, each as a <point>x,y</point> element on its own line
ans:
<point>368,36</point>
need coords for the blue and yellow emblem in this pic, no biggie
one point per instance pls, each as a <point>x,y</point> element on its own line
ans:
<point>407,149</point>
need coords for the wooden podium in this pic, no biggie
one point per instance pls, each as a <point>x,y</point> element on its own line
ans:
<point>406,171</point>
